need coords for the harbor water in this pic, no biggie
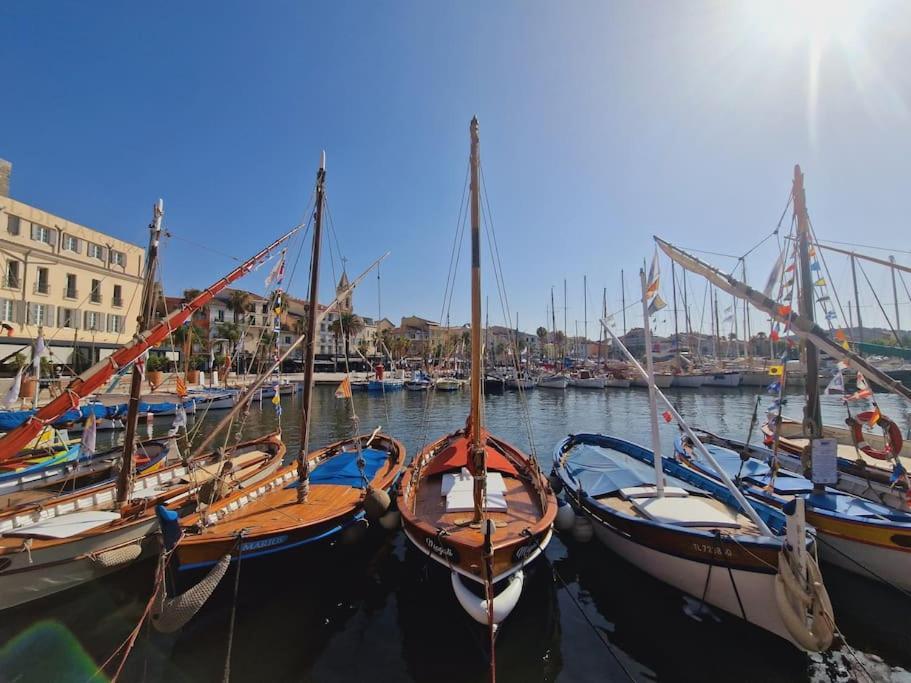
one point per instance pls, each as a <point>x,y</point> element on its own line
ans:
<point>377,611</point>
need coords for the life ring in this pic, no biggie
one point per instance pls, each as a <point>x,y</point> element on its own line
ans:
<point>891,432</point>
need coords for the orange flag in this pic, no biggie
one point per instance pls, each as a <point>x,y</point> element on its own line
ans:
<point>181,387</point>
<point>344,389</point>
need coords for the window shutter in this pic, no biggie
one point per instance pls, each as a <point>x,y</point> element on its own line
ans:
<point>52,236</point>
<point>34,231</point>
<point>49,318</point>
<point>104,254</point>
<point>102,322</point>
<point>76,322</point>
<point>19,309</point>
<point>85,318</point>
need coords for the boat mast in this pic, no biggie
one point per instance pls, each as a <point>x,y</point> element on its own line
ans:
<point>565,326</point>
<point>601,332</point>
<point>585,313</point>
<point>812,413</point>
<point>303,466</point>
<point>623,300</point>
<point>676,329</point>
<point>125,476</point>
<point>898,325</point>
<point>475,421</point>
<point>553,322</point>
<point>860,324</point>
<point>747,333</point>
<point>652,396</point>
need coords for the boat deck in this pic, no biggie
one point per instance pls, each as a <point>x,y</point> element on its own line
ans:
<point>745,525</point>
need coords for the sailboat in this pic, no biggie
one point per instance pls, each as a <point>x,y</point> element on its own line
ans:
<point>67,540</point>
<point>317,497</point>
<point>861,536</point>
<point>470,501</point>
<point>750,561</point>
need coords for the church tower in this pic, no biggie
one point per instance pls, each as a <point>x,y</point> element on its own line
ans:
<point>346,305</point>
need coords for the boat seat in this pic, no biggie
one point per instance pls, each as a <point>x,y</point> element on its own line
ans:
<point>66,526</point>
<point>464,480</point>
<point>690,511</point>
<point>458,489</point>
<point>649,492</point>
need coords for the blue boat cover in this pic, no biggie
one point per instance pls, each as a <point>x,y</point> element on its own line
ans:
<point>598,474</point>
<point>342,469</point>
<point>855,507</point>
<point>730,462</point>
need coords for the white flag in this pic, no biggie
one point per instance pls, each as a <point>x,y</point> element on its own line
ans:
<point>39,351</point>
<point>180,420</point>
<point>837,385</point>
<point>13,394</point>
<point>774,275</point>
<point>278,271</point>
<point>89,432</point>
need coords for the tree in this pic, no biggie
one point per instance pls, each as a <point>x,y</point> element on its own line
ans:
<point>238,303</point>
<point>185,337</point>
<point>347,325</point>
<point>542,338</point>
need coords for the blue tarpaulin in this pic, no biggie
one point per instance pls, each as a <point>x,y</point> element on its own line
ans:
<point>342,469</point>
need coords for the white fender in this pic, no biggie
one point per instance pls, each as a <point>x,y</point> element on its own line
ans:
<point>566,517</point>
<point>503,603</point>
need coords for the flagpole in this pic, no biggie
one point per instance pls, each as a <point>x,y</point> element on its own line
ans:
<point>650,377</point>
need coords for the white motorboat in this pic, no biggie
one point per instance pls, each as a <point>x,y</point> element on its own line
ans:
<point>553,382</point>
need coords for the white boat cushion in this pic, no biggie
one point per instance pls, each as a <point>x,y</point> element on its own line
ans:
<point>66,526</point>
<point>463,480</point>
<point>649,492</point>
<point>462,500</point>
<point>690,511</point>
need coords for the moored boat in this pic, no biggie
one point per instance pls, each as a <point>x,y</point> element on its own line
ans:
<point>553,382</point>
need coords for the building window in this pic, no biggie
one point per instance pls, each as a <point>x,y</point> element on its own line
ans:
<point>253,320</point>
<point>42,233</point>
<point>66,317</point>
<point>39,314</point>
<point>96,292</point>
<point>95,251</point>
<point>70,292</point>
<point>41,285</point>
<point>71,243</point>
<point>118,258</point>
<point>287,339</point>
<point>92,319</point>
<point>220,315</point>
<point>118,296</point>
<point>12,275</point>
<point>12,225</point>
<point>265,308</point>
<point>8,310</point>
<point>115,323</point>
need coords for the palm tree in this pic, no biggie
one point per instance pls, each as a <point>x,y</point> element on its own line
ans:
<point>542,338</point>
<point>185,337</point>
<point>347,325</point>
<point>238,303</point>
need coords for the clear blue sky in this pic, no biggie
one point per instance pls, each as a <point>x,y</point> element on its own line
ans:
<point>601,124</point>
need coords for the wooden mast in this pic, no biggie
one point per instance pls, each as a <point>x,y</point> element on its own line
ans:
<point>476,418</point>
<point>303,468</point>
<point>125,477</point>
<point>812,415</point>
<point>553,324</point>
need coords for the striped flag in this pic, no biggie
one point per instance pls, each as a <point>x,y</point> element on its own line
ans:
<point>89,432</point>
<point>181,387</point>
<point>863,389</point>
<point>344,389</point>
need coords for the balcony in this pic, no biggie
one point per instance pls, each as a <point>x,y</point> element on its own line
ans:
<point>95,298</point>
<point>70,293</point>
<point>42,287</point>
<point>117,302</point>
<point>11,282</point>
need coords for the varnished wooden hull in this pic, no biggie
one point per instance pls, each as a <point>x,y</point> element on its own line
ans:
<point>460,548</point>
<point>274,522</point>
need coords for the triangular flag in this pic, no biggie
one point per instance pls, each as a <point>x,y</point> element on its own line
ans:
<point>344,389</point>
<point>840,335</point>
<point>656,305</point>
<point>12,395</point>
<point>654,274</point>
<point>181,387</point>
<point>774,275</point>
<point>821,282</point>
<point>278,271</point>
<point>837,385</point>
<point>89,433</point>
<point>667,416</point>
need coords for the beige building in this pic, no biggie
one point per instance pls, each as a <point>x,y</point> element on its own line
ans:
<point>81,287</point>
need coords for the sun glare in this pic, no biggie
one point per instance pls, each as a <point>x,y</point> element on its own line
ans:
<point>817,21</point>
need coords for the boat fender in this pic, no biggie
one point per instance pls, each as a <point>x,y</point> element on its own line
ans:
<point>170,527</point>
<point>355,532</point>
<point>555,482</point>
<point>391,520</point>
<point>118,556</point>
<point>582,529</point>
<point>891,433</point>
<point>376,502</point>
<point>503,603</point>
<point>170,614</point>
<point>566,517</point>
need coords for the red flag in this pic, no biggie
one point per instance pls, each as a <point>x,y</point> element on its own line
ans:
<point>774,336</point>
<point>667,416</point>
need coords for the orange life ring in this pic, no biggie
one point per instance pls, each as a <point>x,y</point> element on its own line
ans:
<point>891,432</point>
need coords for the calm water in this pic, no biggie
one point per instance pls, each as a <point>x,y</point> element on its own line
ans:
<point>378,612</point>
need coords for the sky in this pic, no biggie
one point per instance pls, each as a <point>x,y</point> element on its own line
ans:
<point>602,123</point>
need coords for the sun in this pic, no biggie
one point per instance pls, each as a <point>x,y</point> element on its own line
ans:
<point>819,22</point>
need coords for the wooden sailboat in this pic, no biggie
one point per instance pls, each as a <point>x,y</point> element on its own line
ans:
<point>641,507</point>
<point>472,502</point>
<point>323,493</point>
<point>64,541</point>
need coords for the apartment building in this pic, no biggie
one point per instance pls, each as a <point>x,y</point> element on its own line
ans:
<point>82,288</point>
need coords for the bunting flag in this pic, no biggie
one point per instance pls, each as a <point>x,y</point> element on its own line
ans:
<point>277,273</point>
<point>774,387</point>
<point>776,370</point>
<point>840,335</point>
<point>812,251</point>
<point>12,395</point>
<point>837,385</point>
<point>774,275</point>
<point>774,335</point>
<point>181,388</point>
<point>140,365</point>
<point>790,269</point>
<point>654,274</point>
<point>831,315</point>
<point>874,418</point>
<point>842,365</point>
<point>815,265</point>
<point>656,305</point>
<point>180,421</point>
<point>784,311</point>
<point>667,416</point>
<point>344,389</point>
<point>821,282</point>
<point>898,472</point>
<point>276,398</point>
<point>89,433</point>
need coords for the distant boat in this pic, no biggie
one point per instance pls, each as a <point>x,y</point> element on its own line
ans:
<point>494,383</point>
<point>662,381</point>
<point>385,384</point>
<point>690,381</point>
<point>585,379</point>
<point>614,382</point>
<point>447,384</point>
<point>521,381</point>
<point>418,382</point>
<point>553,382</point>
<point>725,378</point>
